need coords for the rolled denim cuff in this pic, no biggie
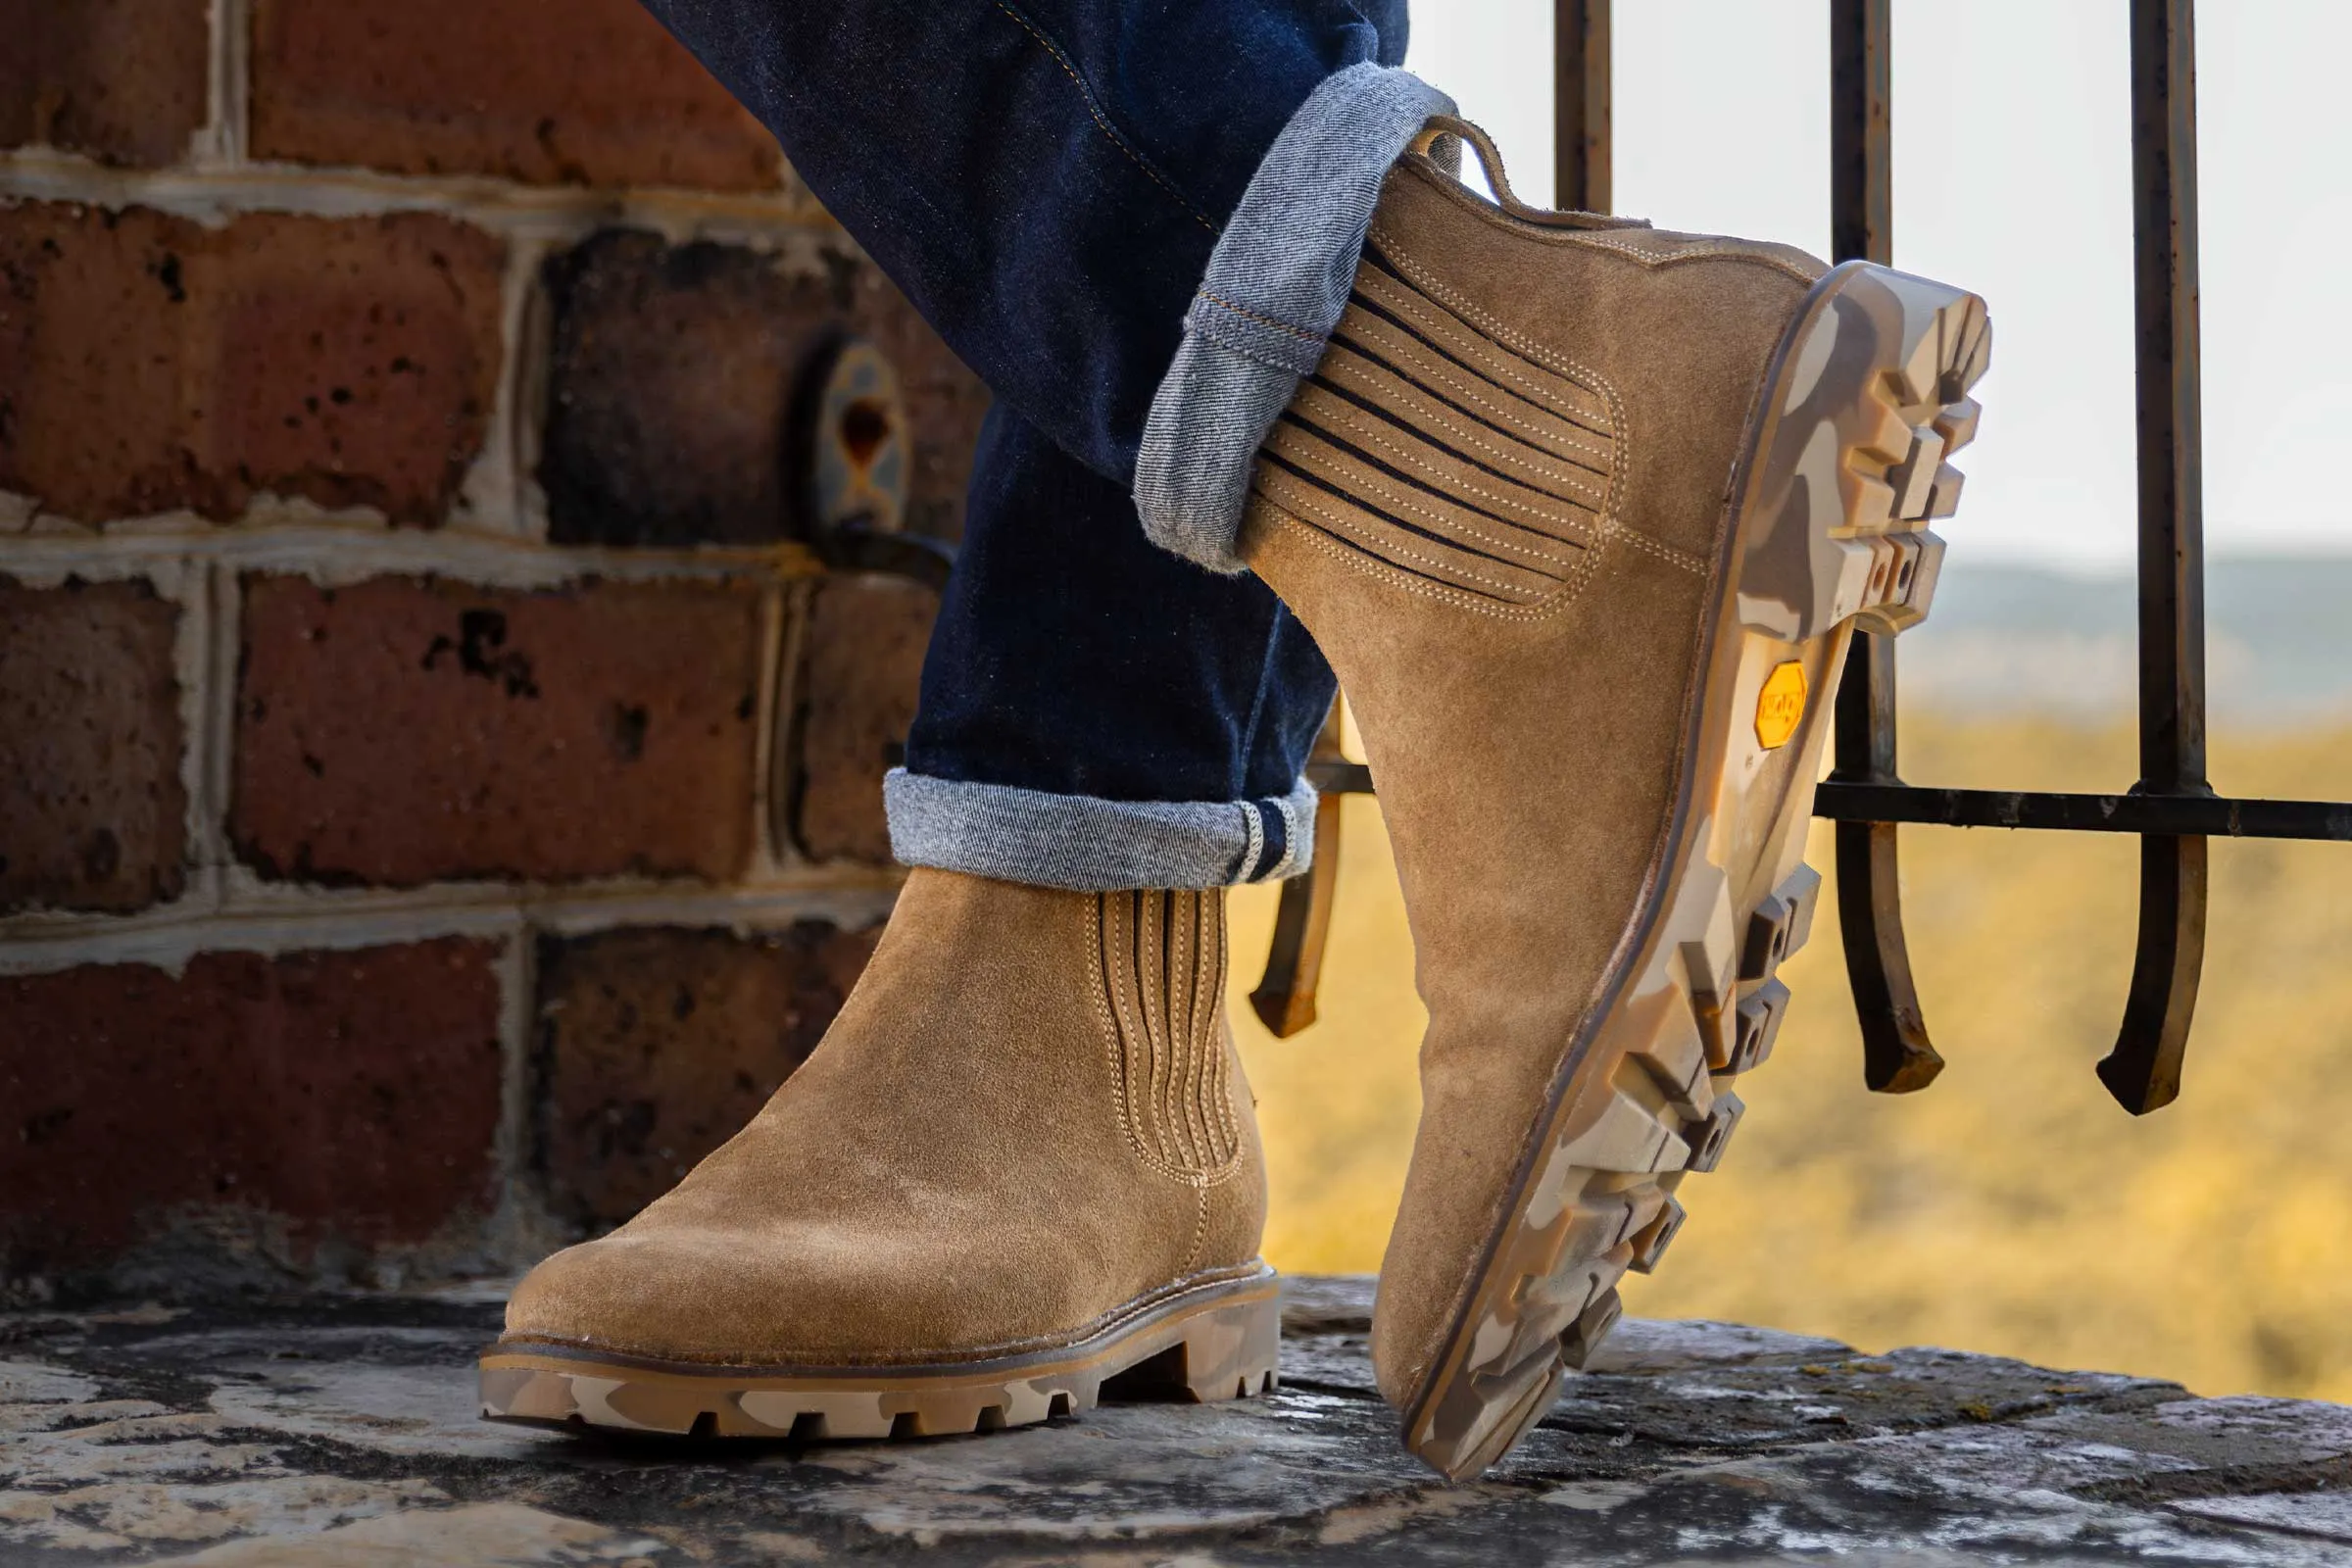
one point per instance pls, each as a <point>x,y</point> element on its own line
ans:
<point>1091,845</point>
<point>1276,284</point>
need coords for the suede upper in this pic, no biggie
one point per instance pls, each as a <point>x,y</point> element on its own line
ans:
<point>1521,650</point>
<point>1027,1117</point>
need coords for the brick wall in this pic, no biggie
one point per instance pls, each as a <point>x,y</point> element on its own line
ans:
<point>438,790</point>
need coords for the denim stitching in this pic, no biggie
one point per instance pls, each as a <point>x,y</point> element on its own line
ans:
<point>1086,95</point>
<point>1262,320</point>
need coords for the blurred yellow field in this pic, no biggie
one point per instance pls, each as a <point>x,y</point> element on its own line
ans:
<point>2012,1208</point>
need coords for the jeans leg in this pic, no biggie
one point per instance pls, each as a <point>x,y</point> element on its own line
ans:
<point>1096,712</point>
<point>1044,178</point>
<point>1049,181</point>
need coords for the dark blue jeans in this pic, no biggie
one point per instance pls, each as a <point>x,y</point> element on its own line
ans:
<point>1045,180</point>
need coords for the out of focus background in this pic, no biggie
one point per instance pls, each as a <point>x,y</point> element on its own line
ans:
<point>439,776</point>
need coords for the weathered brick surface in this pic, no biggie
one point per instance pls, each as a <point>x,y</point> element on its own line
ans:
<point>121,80</point>
<point>405,730</point>
<point>657,1046</point>
<point>864,651</point>
<point>148,362</point>
<point>92,812</point>
<point>549,91</point>
<point>671,387</point>
<point>344,1094</point>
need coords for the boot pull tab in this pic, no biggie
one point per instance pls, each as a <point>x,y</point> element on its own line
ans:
<point>1490,158</point>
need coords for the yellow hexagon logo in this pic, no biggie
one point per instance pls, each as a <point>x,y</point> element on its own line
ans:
<point>1780,704</point>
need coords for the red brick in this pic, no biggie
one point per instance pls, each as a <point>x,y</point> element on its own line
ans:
<point>657,1046</point>
<point>148,362</point>
<point>865,664</point>
<point>350,1096</point>
<point>122,79</point>
<point>404,730</point>
<point>671,379</point>
<point>91,807</point>
<point>581,91</point>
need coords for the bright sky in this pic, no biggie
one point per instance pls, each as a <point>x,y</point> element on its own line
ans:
<point>2012,177</point>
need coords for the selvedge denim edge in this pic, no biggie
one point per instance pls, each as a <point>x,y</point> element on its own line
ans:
<point>1092,845</point>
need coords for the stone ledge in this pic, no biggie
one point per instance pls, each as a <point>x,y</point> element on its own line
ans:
<point>340,1431</point>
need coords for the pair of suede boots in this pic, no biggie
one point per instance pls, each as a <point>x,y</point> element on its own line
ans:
<point>1584,515</point>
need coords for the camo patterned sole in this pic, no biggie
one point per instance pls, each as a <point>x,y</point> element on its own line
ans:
<point>1216,1342</point>
<point>1864,401</point>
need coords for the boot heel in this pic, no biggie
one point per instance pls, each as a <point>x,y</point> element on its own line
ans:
<point>1227,1352</point>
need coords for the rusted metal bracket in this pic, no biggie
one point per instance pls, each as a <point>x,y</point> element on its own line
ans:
<point>851,457</point>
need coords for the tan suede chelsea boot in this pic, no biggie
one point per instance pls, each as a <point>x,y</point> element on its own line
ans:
<point>1021,1162</point>
<point>1584,515</point>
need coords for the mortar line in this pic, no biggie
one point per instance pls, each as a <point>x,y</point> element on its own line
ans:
<point>784,715</point>
<point>166,937</point>
<point>333,551</point>
<point>221,141</point>
<point>206,701</point>
<point>529,356</point>
<point>487,497</point>
<point>513,1210</point>
<point>225,183</point>
<point>774,611</point>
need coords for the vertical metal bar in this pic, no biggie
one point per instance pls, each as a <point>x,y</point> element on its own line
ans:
<point>1580,105</point>
<point>1285,997</point>
<point>1896,1056</point>
<point>2143,1071</point>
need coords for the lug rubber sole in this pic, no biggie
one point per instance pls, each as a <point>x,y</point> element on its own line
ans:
<point>1211,1341</point>
<point>1864,400</point>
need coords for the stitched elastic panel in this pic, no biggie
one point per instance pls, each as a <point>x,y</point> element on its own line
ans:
<point>1092,845</point>
<point>1276,285</point>
<point>1162,956</point>
<point>1422,443</point>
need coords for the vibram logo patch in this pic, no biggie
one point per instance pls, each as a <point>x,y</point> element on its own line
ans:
<point>1780,704</point>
